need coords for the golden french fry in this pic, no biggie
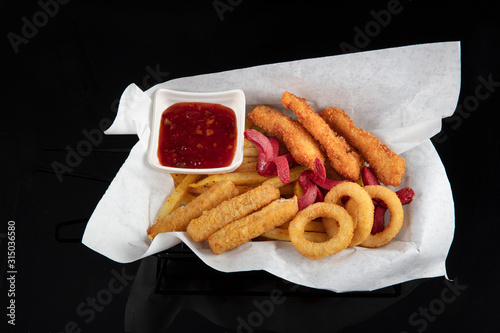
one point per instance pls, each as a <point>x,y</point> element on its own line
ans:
<point>248,124</point>
<point>294,176</point>
<point>179,219</point>
<point>298,190</point>
<point>238,178</point>
<point>249,159</point>
<point>199,190</point>
<point>175,199</point>
<point>188,197</point>
<point>316,226</point>
<point>178,177</point>
<point>360,181</point>
<point>277,234</point>
<point>283,235</point>
<point>248,144</point>
<point>250,152</point>
<point>244,188</point>
<point>244,167</point>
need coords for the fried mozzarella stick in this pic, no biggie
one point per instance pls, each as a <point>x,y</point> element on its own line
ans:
<point>179,219</point>
<point>299,142</point>
<point>228,211</point>
<point>343,158</point>
<point>243,230</point>
<point>388,166</point>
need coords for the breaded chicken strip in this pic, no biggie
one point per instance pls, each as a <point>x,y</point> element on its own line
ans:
<point>179,219</point>
<point>343,158</point>
<point>243,230</point>
<point>299,142</point>
<point>228,211</point>
<point>387,165</point>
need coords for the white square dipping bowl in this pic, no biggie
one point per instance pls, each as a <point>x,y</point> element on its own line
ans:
<point>163,98</point>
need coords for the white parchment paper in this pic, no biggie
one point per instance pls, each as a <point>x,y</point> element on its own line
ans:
<point>399,94</point>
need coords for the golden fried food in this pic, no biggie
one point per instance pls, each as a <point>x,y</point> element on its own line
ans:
<point>387,165</point>
<point>299,142</point>
<point>295,173</point>
<point>253,225</point>
<point>179,219</point>
<point>280,234</point>
<point>333,245</point>
<point>231,210</point>
<point>180,192</point>
<point>395,207</point>
<point>359,206</point>
<point>315,226</point>
<point>238,178</point>
<point>343,158</point>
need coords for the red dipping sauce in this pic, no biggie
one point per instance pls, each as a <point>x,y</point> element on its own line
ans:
<point>197,136</point>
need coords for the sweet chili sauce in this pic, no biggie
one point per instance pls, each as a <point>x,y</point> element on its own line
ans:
<point>197,135</point>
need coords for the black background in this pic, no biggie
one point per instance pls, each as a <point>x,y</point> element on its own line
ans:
<point>66,74</point>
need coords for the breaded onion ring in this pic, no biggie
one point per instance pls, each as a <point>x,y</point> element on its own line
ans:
<point>333,245</point>
<point>397,216</point>
<point>360,207</point>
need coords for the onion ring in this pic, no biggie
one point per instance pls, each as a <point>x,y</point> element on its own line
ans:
<point>360,207</point>
<point>333,245</point>
<point>394,205</point>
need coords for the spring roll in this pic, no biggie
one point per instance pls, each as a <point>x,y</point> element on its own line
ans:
<point>231,210</point>
<point>179,219</point>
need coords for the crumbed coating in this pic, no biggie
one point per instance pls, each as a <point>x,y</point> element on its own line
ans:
<point>243,230</point>
<point>388,166</point>
<point>179,219</point>
<point>297,139</point>
<point>343,158</point>
<point>230,210</point>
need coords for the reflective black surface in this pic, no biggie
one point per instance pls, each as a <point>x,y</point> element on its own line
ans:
<point>65,66</point>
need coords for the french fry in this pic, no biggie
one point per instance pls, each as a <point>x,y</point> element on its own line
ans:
<point>244,167</point>
<point>248,124</point>
<point>244,188</point>
<point>188,197</point>
<point>250,152</point>
<point>199,190</point>
<point>283,235</point>
<point>238,178</point>
<point>248,144</point>
<point>180,218</point>
<point>175,199</point>
<point>177,177</point>
<point>316,226</point>
<point>294,176</point>
<point>249,159</point>
<point>298,190</point>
